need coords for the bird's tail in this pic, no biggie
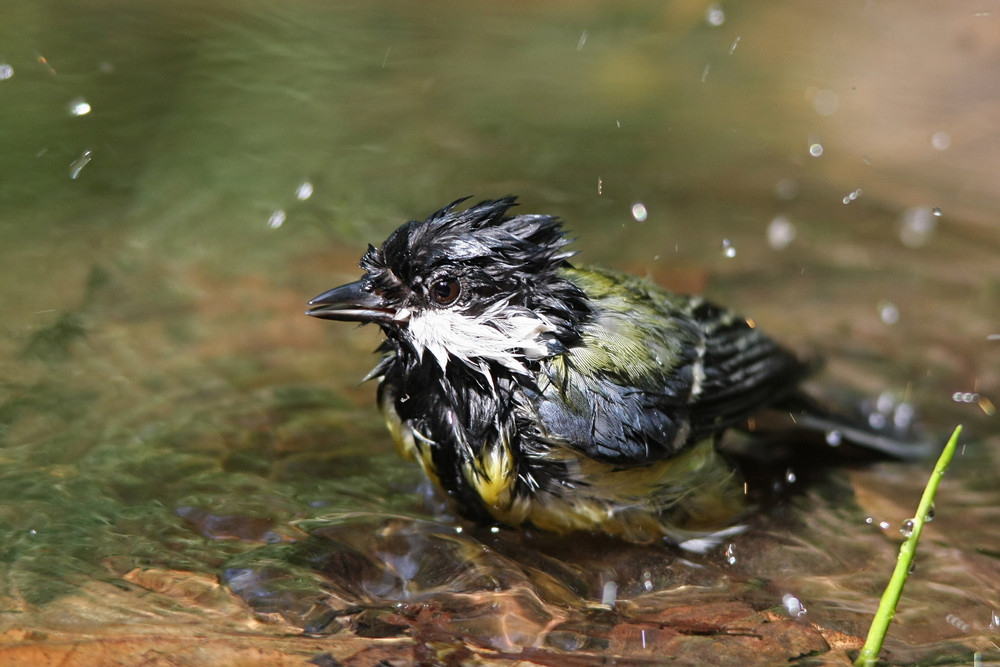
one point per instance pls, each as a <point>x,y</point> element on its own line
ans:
<point>884,426</point>
<point>881,428</point>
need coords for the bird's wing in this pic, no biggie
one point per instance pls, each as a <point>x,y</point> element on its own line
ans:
<point>656,372</point>
<point>743,371</point>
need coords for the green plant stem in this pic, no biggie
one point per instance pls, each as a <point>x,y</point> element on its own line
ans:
<point>887,607</point>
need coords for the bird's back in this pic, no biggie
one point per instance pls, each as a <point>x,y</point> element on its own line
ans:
<point>655,372</point>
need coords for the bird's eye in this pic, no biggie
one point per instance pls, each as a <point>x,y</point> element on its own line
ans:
<point>444,292</point>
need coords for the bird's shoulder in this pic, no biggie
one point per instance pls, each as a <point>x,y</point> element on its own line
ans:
<point>637,334</point>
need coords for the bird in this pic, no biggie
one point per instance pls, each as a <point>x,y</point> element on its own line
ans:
<point>541,394</point>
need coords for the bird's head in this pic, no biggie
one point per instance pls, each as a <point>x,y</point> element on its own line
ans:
<point>473,285</point>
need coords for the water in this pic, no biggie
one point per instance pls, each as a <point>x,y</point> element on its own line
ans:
<point>178,180</point>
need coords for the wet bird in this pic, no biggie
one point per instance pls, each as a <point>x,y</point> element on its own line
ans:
<point>536,392</point>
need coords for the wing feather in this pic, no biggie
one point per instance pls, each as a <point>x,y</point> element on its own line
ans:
<point>656,372</point>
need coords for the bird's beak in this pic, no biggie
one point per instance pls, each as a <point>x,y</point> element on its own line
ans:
<point>351,303</point>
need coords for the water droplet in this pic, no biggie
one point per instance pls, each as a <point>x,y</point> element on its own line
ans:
<point>731,554</point>
<point>277,219</point>
<point>916,226</point>
<point>913,568</point>
<point>304,191</point>
<point>728,249</point>
<point>903,416</point>
<point>936,212</point>
<point>884,525</point>
<point>815,149</point>
<point>825,102</point>
<point>877,421</point>
<point>907,528</point>
<point>941,141</point>
<point>715,15</point>
<point>780,233</point>
<point>790,476</point>
<point>869,520</point>
<point>793,605</point>
<point>965,397</point>
<point>610,594</point>
<point>888,311</point>
<point>639,212</point>
<point>6,71</point>
<point>853,196</point>
<point>957,622</point>
<point>78,164</point>
<point>930,514</point>
<point>494,529</point>
<point>834,437</point>
<point>885,402</point>
<point>79,107</point>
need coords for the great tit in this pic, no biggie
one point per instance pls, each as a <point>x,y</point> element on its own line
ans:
<point>535,392</point>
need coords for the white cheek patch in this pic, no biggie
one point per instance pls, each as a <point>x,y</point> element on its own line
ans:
<point>505,339</point>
